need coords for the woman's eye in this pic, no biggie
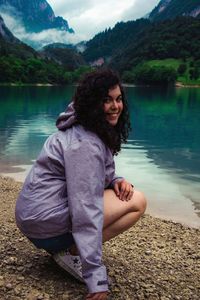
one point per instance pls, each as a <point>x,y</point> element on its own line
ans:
<point>107,100</point>
<point>119,99</point>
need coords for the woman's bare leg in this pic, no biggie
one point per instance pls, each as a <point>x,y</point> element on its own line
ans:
<point>121,215</point>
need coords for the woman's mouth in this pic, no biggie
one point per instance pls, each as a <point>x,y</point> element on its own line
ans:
<point>113,114</point>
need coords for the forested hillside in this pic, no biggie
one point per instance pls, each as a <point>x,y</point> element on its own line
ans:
<point>69,58</point>
<point>107,43</point>
<point>143,51</point>
<point>177,38</point>
<point>129,45</point>
<point>20,63</point>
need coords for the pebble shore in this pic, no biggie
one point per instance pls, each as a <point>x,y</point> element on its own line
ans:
<point>156,259</point>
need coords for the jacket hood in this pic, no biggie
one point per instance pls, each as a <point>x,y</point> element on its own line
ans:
<point>66,119</point>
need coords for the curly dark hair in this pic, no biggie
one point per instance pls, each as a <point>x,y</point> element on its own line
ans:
<point>88,100</point>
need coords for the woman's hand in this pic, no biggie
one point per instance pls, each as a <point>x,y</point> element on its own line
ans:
<point>123,189</point>
<point>97,296</point>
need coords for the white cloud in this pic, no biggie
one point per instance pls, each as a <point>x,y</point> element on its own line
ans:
<point>40,39</point>
<point>139,9</point>
<point>86,17</point>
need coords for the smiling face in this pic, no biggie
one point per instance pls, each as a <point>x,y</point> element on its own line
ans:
<point>113,105</point>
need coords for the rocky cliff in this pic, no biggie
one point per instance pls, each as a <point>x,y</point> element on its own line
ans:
<point>5,33</point>
<point>10,45</point>
<point>37,15</point>
<point>168,9</point>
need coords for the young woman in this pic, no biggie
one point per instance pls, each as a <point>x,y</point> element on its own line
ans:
<point>72,200</point>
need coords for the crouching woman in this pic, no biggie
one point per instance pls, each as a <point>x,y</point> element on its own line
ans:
<point>72,201</point>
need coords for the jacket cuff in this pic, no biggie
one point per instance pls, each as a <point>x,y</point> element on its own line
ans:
<point>97,281</point>
<point>114,180</point>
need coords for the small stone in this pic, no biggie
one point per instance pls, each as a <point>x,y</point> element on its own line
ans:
<point>17,291</point>
<point>9,286</point>
<point>116,289</point>
<point>46,296</point>
<point>20,278</point>
<point>65,297</point>
<point>28,265</point>
<point>20,269</point>
<point>148,252</point>
<point>2,283</point>
<point>12,260</point>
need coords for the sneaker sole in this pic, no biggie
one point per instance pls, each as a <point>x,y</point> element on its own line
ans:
<point>67,268</point>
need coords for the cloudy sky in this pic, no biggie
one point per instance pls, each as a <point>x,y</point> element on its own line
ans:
<point>88,17</point>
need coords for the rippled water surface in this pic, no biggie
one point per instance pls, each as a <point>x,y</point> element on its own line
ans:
<point>161,158</point>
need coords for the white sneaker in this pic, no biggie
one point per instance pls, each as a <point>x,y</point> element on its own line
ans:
<point>70,263</point>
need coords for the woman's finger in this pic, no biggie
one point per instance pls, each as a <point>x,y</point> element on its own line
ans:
<point>121,190</point>
<point>131,192</point>
<point>128,193</point>
<point>116,188</point>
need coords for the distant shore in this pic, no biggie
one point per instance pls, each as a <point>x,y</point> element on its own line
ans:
<point>27,84</point>
<point>176,84</point>
<point>180,84</point>
<point>155,259</point>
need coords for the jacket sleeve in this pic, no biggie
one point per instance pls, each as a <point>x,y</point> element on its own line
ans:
<point>115,179</point>
<point>85,178</point>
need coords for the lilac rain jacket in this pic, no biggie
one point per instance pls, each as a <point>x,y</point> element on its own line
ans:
<point>64,193</point>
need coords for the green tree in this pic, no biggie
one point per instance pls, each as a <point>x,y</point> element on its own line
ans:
<point>182,68</point>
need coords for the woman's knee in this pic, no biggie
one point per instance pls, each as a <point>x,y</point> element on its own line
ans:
<point>139,202</point>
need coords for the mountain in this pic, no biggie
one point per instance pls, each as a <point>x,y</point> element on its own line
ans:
<point>177,38</point>
<point>130,43</point>
<point>176,35</point>
<point>111,41</point>
<point>68,57</point>
<point>36,15</point>
<point>6,34</point>
<point>168,9</point>
<point>20,63</point>
<point>10,45</point>
<point>59,45</point>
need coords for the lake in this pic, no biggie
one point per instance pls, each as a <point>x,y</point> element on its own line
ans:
<point>161,158</point>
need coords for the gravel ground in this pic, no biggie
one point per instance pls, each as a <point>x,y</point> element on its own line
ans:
<point>156,259</point>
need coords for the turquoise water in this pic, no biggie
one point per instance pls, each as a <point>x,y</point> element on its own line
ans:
<point>161,158</point>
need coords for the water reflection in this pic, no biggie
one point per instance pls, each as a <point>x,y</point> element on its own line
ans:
<point>27,117</point>
<point>169,127</point>
<point>169,195</point>
<point>162,155</point>
<point>166,123</point>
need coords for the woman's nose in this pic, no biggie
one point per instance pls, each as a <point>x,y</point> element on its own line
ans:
<point>114,104</point>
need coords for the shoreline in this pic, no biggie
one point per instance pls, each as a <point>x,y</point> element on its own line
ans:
<point>181,85</point>
<point>176,84</point>
<point>155,259</point>
<point>168,213</point>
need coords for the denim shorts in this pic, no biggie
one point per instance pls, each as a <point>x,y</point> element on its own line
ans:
<point>54,244</point>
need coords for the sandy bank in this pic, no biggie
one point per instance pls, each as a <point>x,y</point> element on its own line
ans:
<point>156,259</point>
